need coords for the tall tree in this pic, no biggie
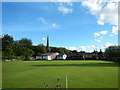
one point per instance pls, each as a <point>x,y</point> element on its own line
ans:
<point>25,42</point>
<point>38,50</point>
<point>112,52</point>
<point>28,53</point>
<point>42,48</point>
<point>7,47</point>
<point>60,50</point>
<point>7,41</point>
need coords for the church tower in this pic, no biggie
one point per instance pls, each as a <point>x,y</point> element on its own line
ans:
<point>47,46</point>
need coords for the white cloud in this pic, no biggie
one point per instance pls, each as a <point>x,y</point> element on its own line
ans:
<point>54,25</point>
<point>103,32</point>
<point>44,38</point>
<point>111,35</point>
<point>93,46</point>
<point>100,22</point>
<point>99,39</point>
<point>42,20</point>
<point>103,47</point>
<point>104,10</point>
<point>83,48</point>
<point>65,10</point>
<point>108,44</point>
<point>87,48</point>
<point>100,33</point>
<point>71,48</point>
<point>92,5</point>
<point>115,29</point>
<point>96,34</point>
<point>69,4</point>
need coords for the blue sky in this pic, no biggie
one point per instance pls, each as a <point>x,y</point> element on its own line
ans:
<point>74,25</point>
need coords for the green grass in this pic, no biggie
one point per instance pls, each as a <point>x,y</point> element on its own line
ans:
<point>80,74</point>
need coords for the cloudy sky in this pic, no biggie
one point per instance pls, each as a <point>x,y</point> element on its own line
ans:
<point>84,25</point>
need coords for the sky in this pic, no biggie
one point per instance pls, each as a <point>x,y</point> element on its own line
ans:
<point>84,26</point>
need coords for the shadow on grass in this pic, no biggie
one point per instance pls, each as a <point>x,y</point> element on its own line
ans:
<point>83,65</point>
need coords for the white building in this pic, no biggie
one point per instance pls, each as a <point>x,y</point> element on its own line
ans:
<point>47,56</point>
<point>39,57</point>
<point>61,56</point>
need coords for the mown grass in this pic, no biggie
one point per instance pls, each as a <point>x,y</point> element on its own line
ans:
<point>80,74</point>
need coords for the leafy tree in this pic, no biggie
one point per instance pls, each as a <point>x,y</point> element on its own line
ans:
<point>28,53</point>
<point>42,48</point>
<point>82,51</point>
<point>23,52</point>
<point>25,42</point>
<point>14,49</point>
<point>7,41</point>
<point>60,50</point>
<point>7,55</point>
<point>38,50</point>
<point>7,47</point>
<point>20,51</point>
<point>112,53</point>
<point>54,49</point>
<point>74,51</point>
<point>66,51</point>
<point>1,44</point>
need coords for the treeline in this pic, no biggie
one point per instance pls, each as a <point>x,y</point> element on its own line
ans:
<point>23,49</point>
<point>112,53</point>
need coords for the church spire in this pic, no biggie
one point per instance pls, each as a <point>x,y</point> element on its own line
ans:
<point>47,46</point>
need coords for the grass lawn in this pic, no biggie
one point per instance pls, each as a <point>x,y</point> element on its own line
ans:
<point>80,74</point>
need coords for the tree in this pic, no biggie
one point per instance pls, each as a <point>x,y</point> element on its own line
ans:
<point>7,47</point>
<point>74,51</point>
<point>28,53</point>
<point>100,54</point>
<point>7,41</point>
<point>22,52</point>
<point>54,49</point>
<point>42,48</point>
<point>38,50</point>
<point>66,51</point>
<point>13,49</point>
<point>82,51</point>
<point>60,50</point>
<point>112,53</point>
<point>25,42</point>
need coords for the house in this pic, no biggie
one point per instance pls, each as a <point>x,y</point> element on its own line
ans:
<point>61,56</point>
<point>47,56</point>
<point>81,56</point>
<point>76,56</point>
<point>39,57</point>
<point>89,56</point>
